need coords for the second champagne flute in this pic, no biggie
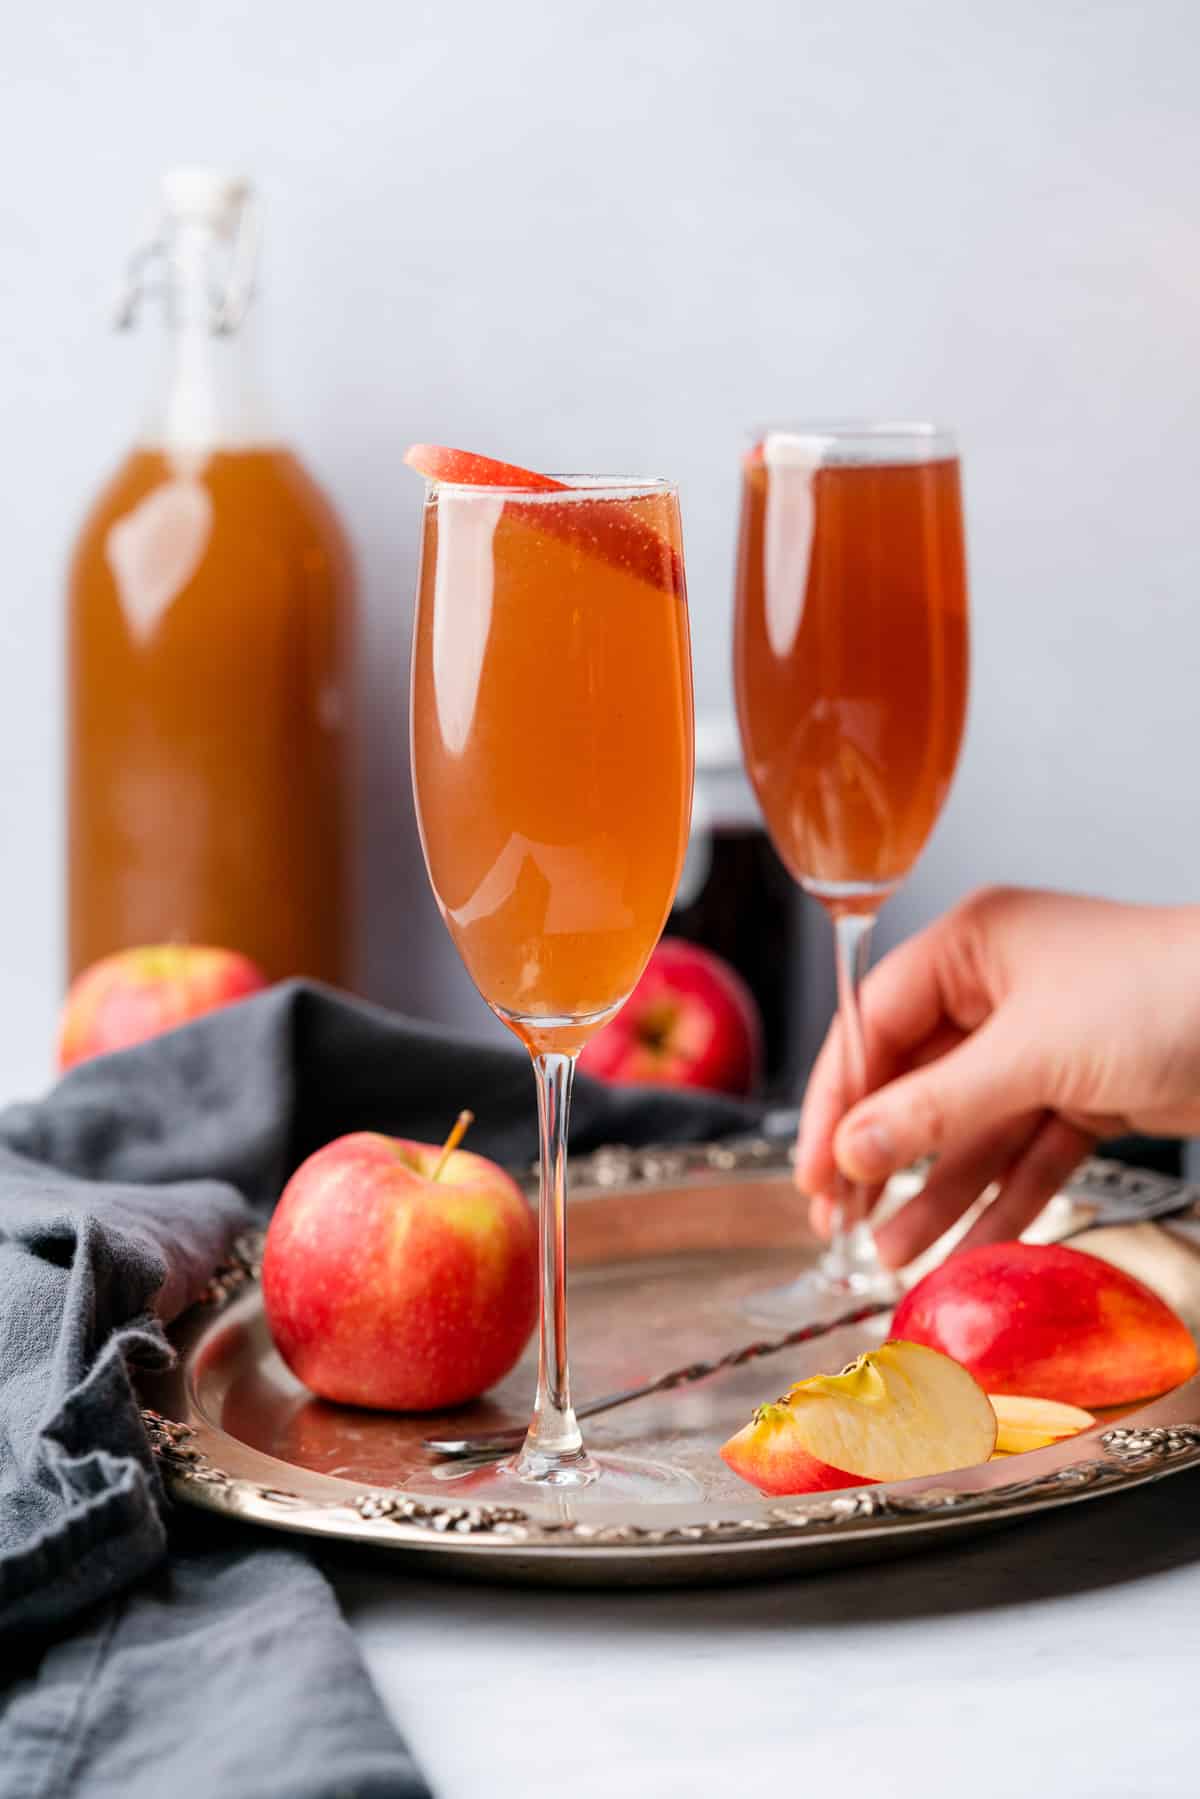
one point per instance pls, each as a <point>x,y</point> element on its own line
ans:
<point>851,676</point>
<point>552,768</point>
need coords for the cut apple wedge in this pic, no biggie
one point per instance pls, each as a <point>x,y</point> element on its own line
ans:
<point>899,1411</point>
<point>1052,1322</point>
<point>464,468</point>
<point>1028,1423</point>
<point>607,525</point>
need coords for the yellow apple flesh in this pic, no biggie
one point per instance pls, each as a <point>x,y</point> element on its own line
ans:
<point>1026,1423</point>
<point>901,1410</point>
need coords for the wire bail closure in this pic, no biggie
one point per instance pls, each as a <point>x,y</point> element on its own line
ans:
<point>148,270</point>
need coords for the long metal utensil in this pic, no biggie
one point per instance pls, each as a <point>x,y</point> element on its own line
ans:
<point>1119,1196</point>
<point>497,1442</point>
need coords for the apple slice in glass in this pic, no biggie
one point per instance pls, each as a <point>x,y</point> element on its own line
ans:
<point>465,468</point>
<point>614,532</point>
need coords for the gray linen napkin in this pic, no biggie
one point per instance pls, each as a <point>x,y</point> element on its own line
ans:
<point>223,1666</point>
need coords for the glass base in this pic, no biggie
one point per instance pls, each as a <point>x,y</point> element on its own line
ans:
<point>848,1274</point>
<point>561,1488</point>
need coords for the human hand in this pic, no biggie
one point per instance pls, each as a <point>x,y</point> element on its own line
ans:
<point>1006,1039</point>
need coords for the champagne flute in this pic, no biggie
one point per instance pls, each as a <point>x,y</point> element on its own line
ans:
<point>851,667</point>
<point>552,767</point>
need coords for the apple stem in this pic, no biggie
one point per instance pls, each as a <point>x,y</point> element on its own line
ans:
<point>462,1125</point>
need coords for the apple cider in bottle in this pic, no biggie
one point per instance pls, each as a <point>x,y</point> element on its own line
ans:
<point>209,638</point>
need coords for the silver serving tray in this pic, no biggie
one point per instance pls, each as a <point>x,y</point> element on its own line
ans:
<point>665,1246</point>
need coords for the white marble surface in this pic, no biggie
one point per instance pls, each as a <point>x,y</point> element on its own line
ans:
<point>1056,1659</point>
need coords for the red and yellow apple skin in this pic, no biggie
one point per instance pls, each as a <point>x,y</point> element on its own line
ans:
<point>770,1455</point>
<point>1049,1322</point>
<point>691,1021</point>
<point>386,1288</point>
<point>897,1412</point>
<point>466,468</point>
<point>614,533</point>
<point>137,993</point>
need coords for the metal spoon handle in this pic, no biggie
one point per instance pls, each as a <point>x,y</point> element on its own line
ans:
<point>497,1442</point>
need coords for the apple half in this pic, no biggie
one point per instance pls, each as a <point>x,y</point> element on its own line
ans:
<point>1051,1322</point>
<point>899,1411</point>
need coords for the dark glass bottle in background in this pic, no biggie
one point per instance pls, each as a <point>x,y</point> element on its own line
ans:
<point>735,898</point>
<point>209,644</point>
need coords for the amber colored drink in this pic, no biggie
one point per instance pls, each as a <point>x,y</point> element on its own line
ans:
<point>851,662</point>
<point>552,744</point>
<point>209,639</point>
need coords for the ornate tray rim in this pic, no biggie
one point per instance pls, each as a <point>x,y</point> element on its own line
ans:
<point>1158,1439</point>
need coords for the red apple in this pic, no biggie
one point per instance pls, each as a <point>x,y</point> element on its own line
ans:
<point>390,1284</point>
<point>1050,1322</point>
<point>899,1411</point>
<point>691,1021</point>
<point>616,533</point>
<point>136,993</point>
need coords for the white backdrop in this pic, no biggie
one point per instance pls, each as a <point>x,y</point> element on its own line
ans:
<point>609,235</point>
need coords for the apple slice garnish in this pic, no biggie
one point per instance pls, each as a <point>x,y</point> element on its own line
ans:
<point>899,1411</point>
<point>1027,1423</point>
<point>612,532</point>
<point>464,468</point>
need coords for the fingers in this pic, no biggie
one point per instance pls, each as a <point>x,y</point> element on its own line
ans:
<point>825,1101</point>
<point>984,1084</point>
<point>1039,1172</point>
<point>829,1187</point>
<point>957,1179</point>
<point>821,1213</point>
<point>1032,1157</point>
<point>905,1003</point>
<point>855,1201</point>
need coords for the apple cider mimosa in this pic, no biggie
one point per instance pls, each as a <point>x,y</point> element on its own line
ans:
<point>850,663</point>
<point>551,742</point>
<point>552,768</point>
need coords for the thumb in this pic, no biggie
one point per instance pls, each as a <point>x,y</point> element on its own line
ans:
<point>988,1079</point>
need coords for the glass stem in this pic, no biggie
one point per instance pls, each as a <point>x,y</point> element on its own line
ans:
<point>852,948</point>
<point>554,1437</point>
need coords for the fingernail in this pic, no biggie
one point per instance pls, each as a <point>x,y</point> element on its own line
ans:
<point>865,1151</point>
<point>820,1211</point>
<point>801,1151</point>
